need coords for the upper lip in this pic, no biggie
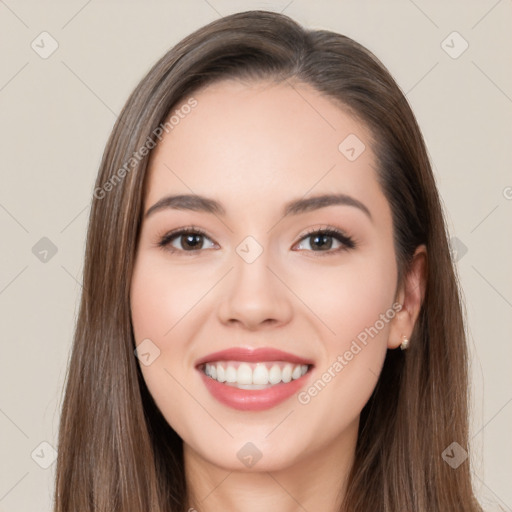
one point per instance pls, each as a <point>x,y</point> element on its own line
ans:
<point>249,354</point>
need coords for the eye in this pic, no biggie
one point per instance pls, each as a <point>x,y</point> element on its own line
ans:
<point>323,240</point>
<point>189,239</point>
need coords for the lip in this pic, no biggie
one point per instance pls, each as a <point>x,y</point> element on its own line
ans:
<point>253,399</point>
<point>252,355</point>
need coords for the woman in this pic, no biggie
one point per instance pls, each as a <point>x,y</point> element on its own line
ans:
<point>220,362</point>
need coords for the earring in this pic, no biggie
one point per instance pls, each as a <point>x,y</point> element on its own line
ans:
<point>405,343</point>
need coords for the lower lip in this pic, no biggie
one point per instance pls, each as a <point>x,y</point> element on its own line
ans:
<point>253,399</point>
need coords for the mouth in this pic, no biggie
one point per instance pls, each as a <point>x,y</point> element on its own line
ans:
<point>248,379</point>
<point>261,375</point>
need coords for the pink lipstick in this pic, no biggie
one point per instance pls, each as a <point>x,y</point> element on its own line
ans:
<point>253,379</point>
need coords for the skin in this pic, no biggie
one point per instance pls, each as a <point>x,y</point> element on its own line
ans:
<point>253,147</point>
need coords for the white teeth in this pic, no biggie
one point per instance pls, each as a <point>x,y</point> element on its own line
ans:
<point>244,374</point>
<point>260,374</point>
<point>257,376</point>
<point>296,373</point>
<point>286,374</point>
<point>275,374</point>
<point>230,374</point>
<point>221,373</point>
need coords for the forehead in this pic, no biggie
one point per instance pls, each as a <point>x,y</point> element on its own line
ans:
<point>262,141</point>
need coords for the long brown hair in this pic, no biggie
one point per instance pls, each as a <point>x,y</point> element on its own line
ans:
<point>116,451</point>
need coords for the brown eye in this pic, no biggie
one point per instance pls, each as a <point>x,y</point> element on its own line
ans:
<point>191,241</point>
<point>184,240</point>
<point>322,241</point>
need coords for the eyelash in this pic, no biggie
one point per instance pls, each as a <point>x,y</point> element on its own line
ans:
<point>346,241</point>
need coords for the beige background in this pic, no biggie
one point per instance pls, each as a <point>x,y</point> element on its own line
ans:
<point>56,114</point>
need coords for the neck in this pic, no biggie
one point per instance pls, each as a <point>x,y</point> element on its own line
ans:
<point>316,481</point>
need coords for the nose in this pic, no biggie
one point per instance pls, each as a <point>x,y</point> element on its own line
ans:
<point>254,295</point>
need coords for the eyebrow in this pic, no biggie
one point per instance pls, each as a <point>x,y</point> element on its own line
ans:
<point>204,204</point>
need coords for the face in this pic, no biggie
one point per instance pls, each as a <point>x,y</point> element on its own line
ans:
<point>285,302</point>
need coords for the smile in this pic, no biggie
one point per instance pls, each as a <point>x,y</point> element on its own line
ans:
<point>253,379</point>
<point>254,375</point>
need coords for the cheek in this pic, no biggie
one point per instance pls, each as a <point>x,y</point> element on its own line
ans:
<point>161,295</point>
<point>350,297</point>
<point>354,303</point>
<point>353,358</point>
<point>167,308</point>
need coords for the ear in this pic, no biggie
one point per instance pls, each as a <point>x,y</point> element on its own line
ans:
<point>410,295</point>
